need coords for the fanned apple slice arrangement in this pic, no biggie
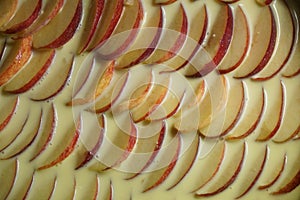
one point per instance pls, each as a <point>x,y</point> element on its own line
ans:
<point>165,99</point>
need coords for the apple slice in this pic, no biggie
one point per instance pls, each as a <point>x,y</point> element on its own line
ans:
<point>65,150</point>
<point>9,170</point>
<point>9,139</point>
<point>290,186</point>
<point>111,15</point>
<point>130,145</point>
<point>234,112</point>
<point>46,135</point>
<point>231,114</point>
<point>7,112</point>
<point>138,95</point>
<point>46,185</point>
<point>261,49</point>
<point>185,163</point>
<point>125,33</point>
<point>16,59</point>
<point>92,20</point>
<point>8,9</point>
<point>171,42</point>
<point>155,98</point>
<point>111,96</point>
<point>138,52</point>
<point>164,2</point>
<point>158,177</point>
<point>151,144</point>
<point>103,82</point>
<point>24,17</point>
<point>212,111</point>
<point>56,34</point>
<point>119,141</point>
<point>249,122</point>
<point>81,81</point>
<point>290,125</point>
<point>197,33</point>
<point>276,175</point>
<point>211,163</point>
<point>240,40</point>
<point>50,10</point>
<point>32,73</point>
<point>274,114</point>
<point>29,187</point>
<point>285,41</point>
<point>89,148</point>
<point>228,176</point>
<point>20,145</point>
<point>49,88</point>
<point>168,108</point>
<point>217,44</point>
<point>292,68</point>
<point>255,173</point>
<point>91,192</point>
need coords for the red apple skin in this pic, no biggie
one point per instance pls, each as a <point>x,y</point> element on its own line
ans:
<point>264,2</point>
<point>9,116</point>
<point>229,1</point>
<point>223,48</point>
<point>37,76</point>
<point>294,183</point>
<point>165,3</point>
<point>270,50</point>
<point>69,31</point>
<point>98,13</point>
<point>27,22</point>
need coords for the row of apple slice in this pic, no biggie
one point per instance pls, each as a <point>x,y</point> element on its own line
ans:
<point>153,101</point>
<point>212,182</point>
<point>50,187</point>
<point>225,41</point>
